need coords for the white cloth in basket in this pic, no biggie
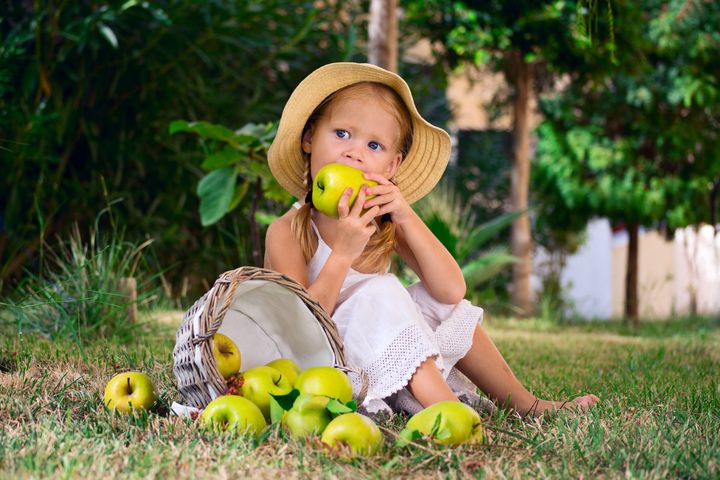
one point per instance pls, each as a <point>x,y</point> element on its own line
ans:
<point>389,330</point>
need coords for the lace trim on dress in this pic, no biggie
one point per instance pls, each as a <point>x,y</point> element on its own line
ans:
<point>391,371</point>
<point>455,333</point>
<point>393,368</point>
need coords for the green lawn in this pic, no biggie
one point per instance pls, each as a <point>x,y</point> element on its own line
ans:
<point>659,416</point>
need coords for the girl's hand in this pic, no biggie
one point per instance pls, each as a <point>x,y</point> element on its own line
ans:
<point>354,228</point>
<point>388,198</point>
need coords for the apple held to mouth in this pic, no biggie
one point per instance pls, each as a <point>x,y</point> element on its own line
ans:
<point>260,382</point>
<point>449,423</point>
<point>308,416</point>
<point>331,181</point>
<point>355,430</point>
<point>287,367</point>
<point>327,381</point>
<point>227,355</point>
<point>129,391</point>
<point>232,412</point>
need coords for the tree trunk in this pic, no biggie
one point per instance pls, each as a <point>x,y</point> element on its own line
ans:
<point>631,276</point>
<point>520,76</point>
<point>382,34</point>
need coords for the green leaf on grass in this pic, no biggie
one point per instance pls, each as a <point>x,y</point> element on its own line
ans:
<point>336,407</point>
<point>436,426</point>
<point>443,434</point>
<point>276,411</point>
<point>287,400</point>
<point>406,436</point>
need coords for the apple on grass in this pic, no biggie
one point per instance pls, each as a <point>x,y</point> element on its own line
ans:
<point>356,431</point>
<point>287,367</point>
<point>232,412</point>
<point>260,382</point>
<point>129,391</point>
<point>227,355</point>
<point>331,181</point>
<point>327,381</point>
<point>308,416</point>
<point>450,423</point>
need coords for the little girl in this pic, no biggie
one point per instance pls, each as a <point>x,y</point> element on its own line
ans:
<point>418,345</point>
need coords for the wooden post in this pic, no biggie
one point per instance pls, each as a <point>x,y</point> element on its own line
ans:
<point>128,288</point>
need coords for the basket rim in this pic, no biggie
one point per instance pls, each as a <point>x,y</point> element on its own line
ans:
<point>198,378</point>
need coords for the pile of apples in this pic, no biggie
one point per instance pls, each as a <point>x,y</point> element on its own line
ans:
<point>315,402</point>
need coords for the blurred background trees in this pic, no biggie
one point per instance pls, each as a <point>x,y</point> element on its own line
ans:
<point>638,145</point>
<point>88,90</point>
<point>161,111</point>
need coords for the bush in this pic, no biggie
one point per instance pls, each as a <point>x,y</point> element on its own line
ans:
<point>88,89</point>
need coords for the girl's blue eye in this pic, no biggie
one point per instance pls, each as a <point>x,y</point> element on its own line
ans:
<point>341,133</point>
<point>374,146</point>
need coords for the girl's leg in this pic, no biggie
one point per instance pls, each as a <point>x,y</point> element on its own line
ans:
<point>428,386</point>
<point>485,366</point>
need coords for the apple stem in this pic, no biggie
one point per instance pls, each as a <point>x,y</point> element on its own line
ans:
<point>129,387</point>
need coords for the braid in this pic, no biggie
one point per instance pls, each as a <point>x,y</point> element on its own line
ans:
<point>301,227</point>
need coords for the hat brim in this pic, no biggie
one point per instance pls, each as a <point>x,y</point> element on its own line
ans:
<point>422,167</point>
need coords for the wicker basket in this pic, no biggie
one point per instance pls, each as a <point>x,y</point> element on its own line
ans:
<point>268,315</point>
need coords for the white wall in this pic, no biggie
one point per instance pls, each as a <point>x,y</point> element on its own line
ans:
<point>594,277</point>
<point>588,273</point>
<point>587,276</point>
<point>697,262</point>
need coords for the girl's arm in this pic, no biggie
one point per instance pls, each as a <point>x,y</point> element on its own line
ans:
<point>430,260</point>
<point>417,245</point>
<point>284,255</point>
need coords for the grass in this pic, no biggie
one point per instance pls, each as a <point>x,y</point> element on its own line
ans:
<point>659,416</point>
<point>79,293</point>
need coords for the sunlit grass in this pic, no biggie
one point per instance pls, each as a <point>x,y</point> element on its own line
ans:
<point>659,416</point>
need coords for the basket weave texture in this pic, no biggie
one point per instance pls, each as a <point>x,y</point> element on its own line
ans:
<point>198,378</point>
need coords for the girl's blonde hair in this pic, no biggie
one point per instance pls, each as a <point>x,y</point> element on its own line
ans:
<point>379,249</point>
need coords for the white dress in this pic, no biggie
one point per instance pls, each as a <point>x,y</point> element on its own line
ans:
<point>389,330</point>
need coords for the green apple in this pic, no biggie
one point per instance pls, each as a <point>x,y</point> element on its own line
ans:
<point>232,412</point>
<point>331,181</point>
<point>355,430</point>
<point>129,391</point>
<point>260,382</point>
<point>287,367</point>
<point>227,355</point>
<point>458,423</point>
<point>326,381</point>
<point>308,416</point>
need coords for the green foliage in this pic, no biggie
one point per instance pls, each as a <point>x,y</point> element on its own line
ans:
<point>638,146</point>
<point>87,91</point>
<point>79,296</point>
<point>236,161</point>
<point>557,33</point>
<point>456,227</point>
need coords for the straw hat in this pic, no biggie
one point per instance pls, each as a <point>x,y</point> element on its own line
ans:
<point>418,173</point>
